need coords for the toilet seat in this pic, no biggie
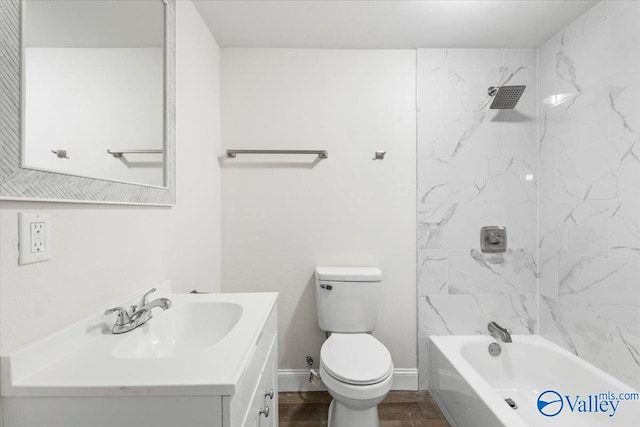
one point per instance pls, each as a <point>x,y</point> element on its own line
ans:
<point>357,359</point>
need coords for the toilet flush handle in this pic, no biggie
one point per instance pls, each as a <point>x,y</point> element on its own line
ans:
<point>327,287</point>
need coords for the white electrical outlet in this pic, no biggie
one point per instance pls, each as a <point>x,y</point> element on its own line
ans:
<point>34,237</point>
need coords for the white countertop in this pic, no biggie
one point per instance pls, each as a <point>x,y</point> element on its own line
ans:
<point>78,361</point>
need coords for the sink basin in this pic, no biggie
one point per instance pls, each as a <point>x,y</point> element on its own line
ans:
<point>180,331</point>
<point>201,346</point>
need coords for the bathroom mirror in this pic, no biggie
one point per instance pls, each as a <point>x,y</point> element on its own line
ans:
<point>91,114</point>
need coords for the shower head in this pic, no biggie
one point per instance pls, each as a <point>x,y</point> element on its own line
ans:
<point>506,97</point>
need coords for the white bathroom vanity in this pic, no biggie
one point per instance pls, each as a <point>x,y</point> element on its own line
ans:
<point>209,360</point>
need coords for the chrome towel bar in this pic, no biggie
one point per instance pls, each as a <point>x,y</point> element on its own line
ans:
<point>119,153</point>
<point>323,154</point>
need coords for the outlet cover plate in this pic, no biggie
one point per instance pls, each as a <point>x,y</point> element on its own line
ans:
<point>34,248</point>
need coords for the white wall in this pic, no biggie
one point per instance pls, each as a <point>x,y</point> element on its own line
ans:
<point>103,253</point>
<point>284,215</point>
<point>90,100</point>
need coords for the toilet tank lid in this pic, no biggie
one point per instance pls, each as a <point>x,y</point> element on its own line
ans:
<point>349,274</point>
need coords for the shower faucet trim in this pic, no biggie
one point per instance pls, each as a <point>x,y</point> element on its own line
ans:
<point>499,333</point>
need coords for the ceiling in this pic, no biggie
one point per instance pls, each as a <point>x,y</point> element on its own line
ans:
<point>347,24</point>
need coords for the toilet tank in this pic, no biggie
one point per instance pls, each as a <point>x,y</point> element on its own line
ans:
<point>348,298</point>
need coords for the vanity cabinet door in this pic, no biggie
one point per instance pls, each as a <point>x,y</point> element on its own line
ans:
<point>254,417</point>
<point>269,386</point>
<point>263,411</point>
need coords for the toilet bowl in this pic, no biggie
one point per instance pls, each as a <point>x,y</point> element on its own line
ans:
<point>355,367</point>
<point>358,372</point>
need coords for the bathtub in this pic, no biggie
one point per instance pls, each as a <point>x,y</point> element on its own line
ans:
<point>471,386</point>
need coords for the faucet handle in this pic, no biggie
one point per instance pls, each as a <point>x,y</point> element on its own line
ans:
<point>123,317</point>
<point>144,300</point>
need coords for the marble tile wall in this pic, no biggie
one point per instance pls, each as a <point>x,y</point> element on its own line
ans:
<point>476,167</point>
<point>589,161</point>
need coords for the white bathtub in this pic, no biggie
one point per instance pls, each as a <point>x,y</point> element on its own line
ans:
<point>470,385</point>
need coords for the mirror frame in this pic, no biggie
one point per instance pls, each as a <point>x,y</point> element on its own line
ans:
<point>17,183</point>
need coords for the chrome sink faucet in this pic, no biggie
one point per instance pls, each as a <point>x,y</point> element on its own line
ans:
<point>138,315</point>
<point>499,333</point>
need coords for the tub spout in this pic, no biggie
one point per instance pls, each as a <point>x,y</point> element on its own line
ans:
<point>498,332</point>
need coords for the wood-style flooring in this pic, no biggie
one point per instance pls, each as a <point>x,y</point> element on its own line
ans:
<point>399,409</point>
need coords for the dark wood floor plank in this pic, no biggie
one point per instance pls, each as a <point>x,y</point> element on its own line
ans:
<point>304,397</point>
<point>403,411</point>
<point>304,412</point>
<point>399,409</point>
<point>302,424</point>
<point>413,423</point>
<point>431,411</point>
<point>405,396</point>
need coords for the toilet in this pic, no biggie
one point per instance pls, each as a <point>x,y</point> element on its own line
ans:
<point>355,367</point>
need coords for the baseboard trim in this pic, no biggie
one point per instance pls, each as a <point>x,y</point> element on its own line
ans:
<point>405,379</point>
<point>298,380</point>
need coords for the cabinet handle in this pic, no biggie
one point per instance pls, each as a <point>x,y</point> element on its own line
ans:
<point>264,412</point>
<point>269,394</point>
